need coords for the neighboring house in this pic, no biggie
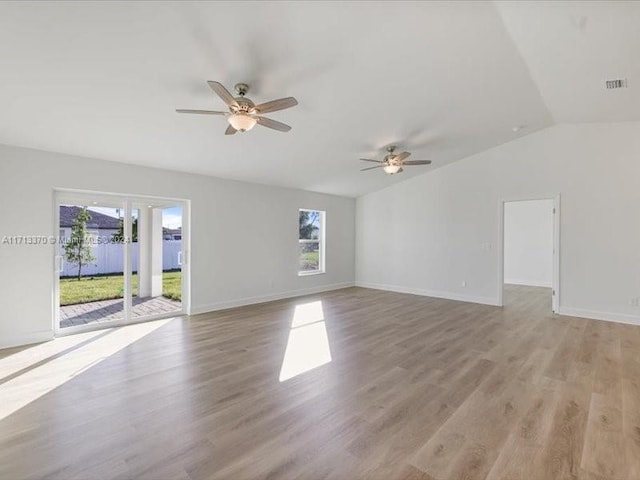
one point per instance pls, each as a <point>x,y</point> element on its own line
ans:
<point>171,233</point>
<point>100,225</point>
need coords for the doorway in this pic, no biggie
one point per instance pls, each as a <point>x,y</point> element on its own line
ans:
<point>119,259</point>
<point>529,254</point>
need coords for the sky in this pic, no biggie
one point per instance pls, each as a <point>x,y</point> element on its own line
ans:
<point>171,217</point>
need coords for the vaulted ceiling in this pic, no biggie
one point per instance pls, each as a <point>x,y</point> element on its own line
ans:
<point>442,80</point>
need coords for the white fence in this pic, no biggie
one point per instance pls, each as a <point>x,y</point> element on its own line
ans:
<point>110,258</point>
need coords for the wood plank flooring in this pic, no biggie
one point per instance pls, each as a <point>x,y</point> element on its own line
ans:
<point>416,388</point>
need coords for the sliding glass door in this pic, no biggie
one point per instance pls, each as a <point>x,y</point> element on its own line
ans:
<point>119,259</point>
<point>90,263</point>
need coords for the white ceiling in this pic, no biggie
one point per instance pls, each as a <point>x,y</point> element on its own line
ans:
<point>442,80</point>
<point>572,48</point>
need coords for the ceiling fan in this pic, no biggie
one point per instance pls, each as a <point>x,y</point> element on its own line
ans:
<point>243,114</point>
<point>393,162</point>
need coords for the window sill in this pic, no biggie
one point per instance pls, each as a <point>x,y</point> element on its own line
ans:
<point>306,274</point>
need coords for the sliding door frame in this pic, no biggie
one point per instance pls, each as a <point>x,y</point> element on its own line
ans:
<point>87,197</point>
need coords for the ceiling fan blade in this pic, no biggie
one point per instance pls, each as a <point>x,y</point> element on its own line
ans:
<point>371,168</point>
<point>276,105</point>
<point>417,162</point>
<point>202,112</point>
<point>223,93</point>
<point>230,130</point>
<point>267,122</point>
<point>399,171</point>
<point>401,156</point>
<point>369,160</point>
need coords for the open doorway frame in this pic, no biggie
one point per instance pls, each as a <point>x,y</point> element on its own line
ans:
<point>555,287</point>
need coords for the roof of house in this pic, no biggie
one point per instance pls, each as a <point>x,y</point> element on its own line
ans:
<point>98,220</point>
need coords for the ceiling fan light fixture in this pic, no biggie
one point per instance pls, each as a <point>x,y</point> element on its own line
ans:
<point>391,169</point>
<point>242,122</point>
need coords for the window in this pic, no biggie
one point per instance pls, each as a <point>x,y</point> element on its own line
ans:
<point>311,242</point>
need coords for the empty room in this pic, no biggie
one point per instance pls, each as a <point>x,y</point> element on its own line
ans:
<point>378,240</point>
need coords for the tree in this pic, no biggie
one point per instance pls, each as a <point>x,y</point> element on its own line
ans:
<point>308,220</point>
<point>78,249</point>
<point>118,237</point>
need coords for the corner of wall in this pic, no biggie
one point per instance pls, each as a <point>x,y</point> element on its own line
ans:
<point>433,293</point>
<point>597,315</point>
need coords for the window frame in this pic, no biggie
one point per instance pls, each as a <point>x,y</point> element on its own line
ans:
<point>321,243</point>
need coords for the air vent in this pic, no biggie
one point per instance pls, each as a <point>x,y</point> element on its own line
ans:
<point>613,84</point>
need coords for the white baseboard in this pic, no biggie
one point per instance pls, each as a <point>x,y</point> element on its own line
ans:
<point>528,283</point>
<point>432,293</point>
<point>241,302</point>
<point>595,315</point>
<point>26,339</point>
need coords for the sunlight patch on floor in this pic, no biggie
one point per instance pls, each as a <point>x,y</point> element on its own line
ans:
<point>308,344</point>
<point>38,380</point>
<point>307,313</point>
<point>25,357</point>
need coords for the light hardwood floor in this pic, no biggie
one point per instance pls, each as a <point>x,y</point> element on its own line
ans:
<point>417,388</point>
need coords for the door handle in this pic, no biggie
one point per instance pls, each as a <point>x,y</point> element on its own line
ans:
<point>180,259</point>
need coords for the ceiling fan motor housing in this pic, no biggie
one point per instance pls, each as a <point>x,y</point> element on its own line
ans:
<point>244,105</point>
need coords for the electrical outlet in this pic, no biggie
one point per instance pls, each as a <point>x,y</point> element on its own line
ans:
<point>634,302</point>
<point>464,283</point>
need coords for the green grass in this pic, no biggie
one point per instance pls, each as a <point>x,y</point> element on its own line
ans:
<point>172,285</point>
<point>107,287</point>
<point>309,261</point>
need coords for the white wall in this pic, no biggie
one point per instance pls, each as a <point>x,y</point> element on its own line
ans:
<point>244,237</point>
<point>528,243</point>
<point>432,232</point>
